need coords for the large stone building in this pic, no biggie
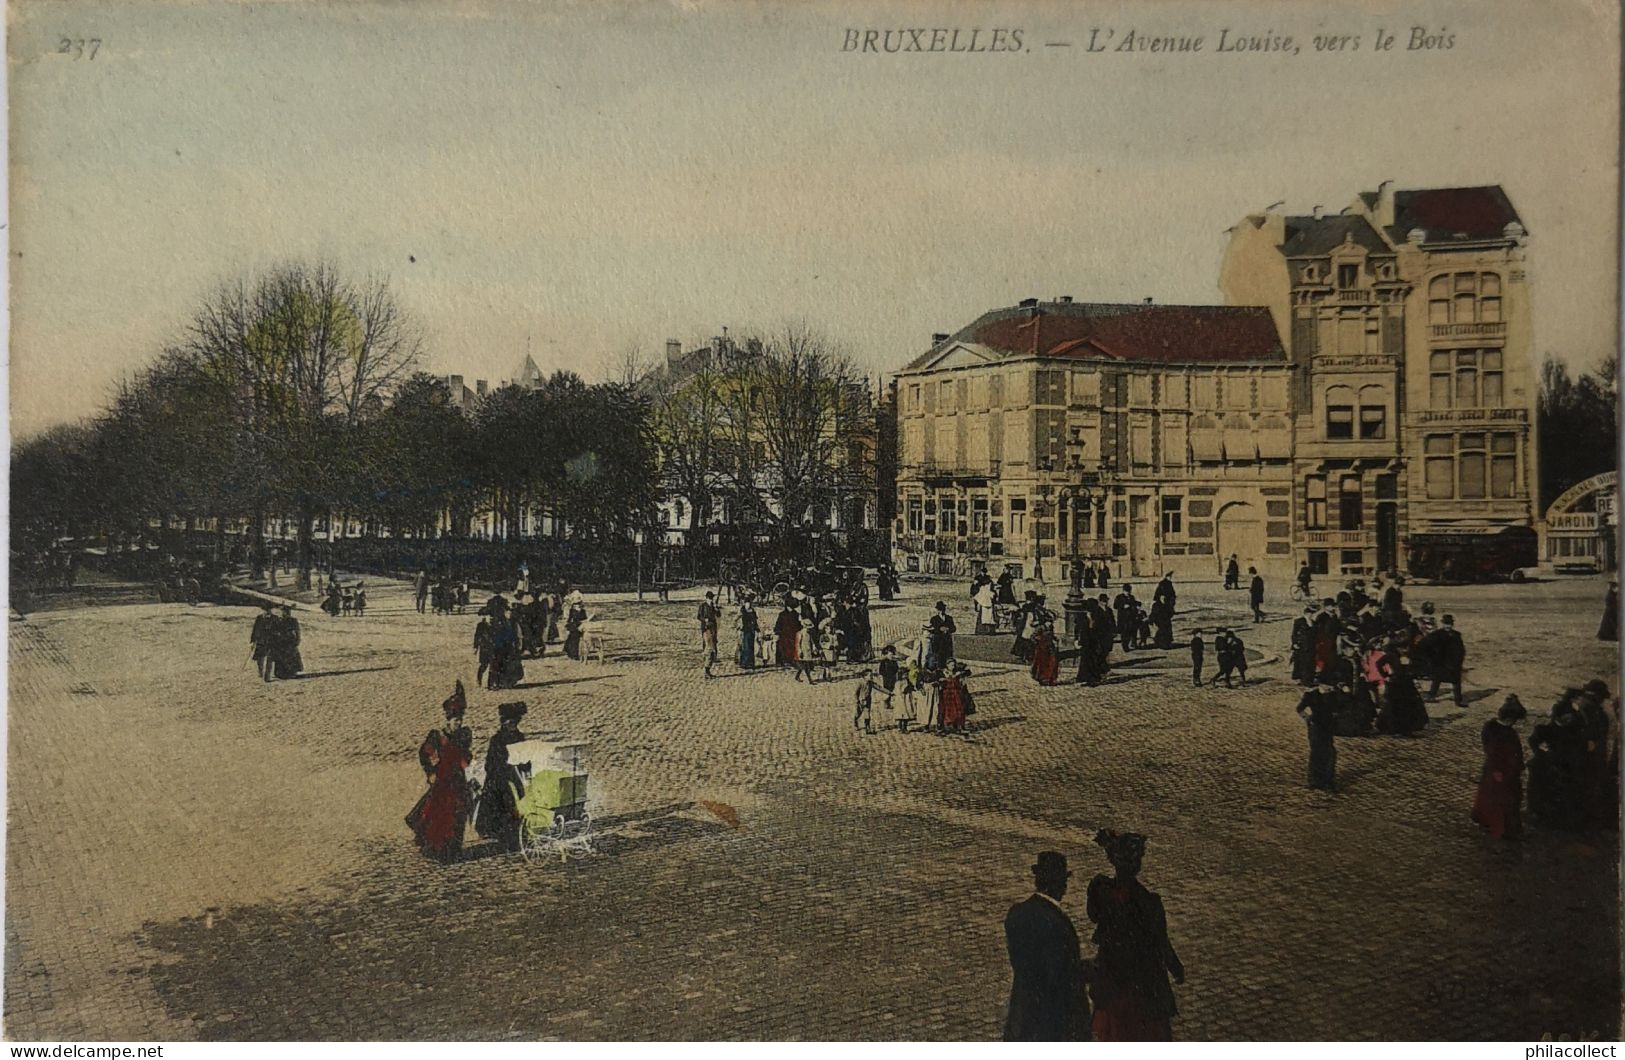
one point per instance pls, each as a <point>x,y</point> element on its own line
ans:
<point>1149,437</point>
<point>1408,313</point>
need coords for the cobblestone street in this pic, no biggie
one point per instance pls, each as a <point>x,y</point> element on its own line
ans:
<point>194,854</point>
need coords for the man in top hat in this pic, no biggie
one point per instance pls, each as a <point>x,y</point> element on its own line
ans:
<point>1047,1002</point>
<point>1447,654</point>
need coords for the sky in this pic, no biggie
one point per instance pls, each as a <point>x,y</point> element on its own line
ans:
<point>580,180</point>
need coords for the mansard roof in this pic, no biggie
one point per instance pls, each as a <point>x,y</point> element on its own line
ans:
<point>1313,237</point>
<point>1453,213</point>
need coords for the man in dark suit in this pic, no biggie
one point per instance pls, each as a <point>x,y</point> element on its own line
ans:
<point>1047,1002</point>
<point>1449,655</point>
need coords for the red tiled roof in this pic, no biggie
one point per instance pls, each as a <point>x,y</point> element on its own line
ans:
<point>1166,334</point>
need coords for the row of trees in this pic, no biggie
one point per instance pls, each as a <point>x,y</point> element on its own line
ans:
<point>779,428</point>
<point>295,395</point>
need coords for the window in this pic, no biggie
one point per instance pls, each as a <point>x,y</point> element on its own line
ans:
<point>1315,502</point>
<point>916,515</point>
<point>1352,559</point>
<point>677,510</point>
<point>1349,512</point>
<point>978,516</point>
<point>1373,421</point>
<point>1465,298</point>
<point>914,397</point>
<point>1311,273</point>
<point>1470,469</point>
<point>1339,421</point>
<point>1439,457</point>
<point>1348,275</point>
<point>1503,465</point>
<point>1317,561</point>
<point>947,521</point>
<point>1465,379</point>
<point>1173,516</point>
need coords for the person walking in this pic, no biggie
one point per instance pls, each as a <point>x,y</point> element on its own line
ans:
<point>1609,628</point>
<point>1047,998</point>
<point>1134,958</point>
<point>710,620</point>
<point>285,655</point>
<point>1319,707</point>
<point>940,644</point>
<point>1232,573</point>
<point>1498,804</point>
<point>1198,648</point>
<point>420,589</point>
<point>746,624</point>
<point>1255,594</point>
<point>440,816</point>
<point>498,816</point>
<point>1448,656</point>
<point>262,637</point>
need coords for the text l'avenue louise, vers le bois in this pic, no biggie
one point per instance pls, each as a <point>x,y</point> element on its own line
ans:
<point>1013,40</point>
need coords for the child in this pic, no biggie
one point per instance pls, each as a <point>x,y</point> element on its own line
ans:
<point>1198,647</point>
<point>360,600</point>
<point>888,673</point>
<point>863,702</point>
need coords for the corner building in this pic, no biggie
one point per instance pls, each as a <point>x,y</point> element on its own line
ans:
<point>1148,437</point>
<point>1408,316</point>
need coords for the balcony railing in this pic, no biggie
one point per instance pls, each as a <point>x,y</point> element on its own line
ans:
<point>1495,330</point>
<point>1338,538</point>
<point>1355,297</point>
<point>939,470</point>
<point>1473,416</point>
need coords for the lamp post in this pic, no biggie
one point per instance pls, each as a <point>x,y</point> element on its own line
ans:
<point>1074,605</point>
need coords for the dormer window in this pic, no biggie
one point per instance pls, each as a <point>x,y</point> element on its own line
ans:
<point>1311,273</point>
<point>1385,271</point>
<point>1348,276</point>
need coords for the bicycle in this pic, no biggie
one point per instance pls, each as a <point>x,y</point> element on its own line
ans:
<point>1301,591</point>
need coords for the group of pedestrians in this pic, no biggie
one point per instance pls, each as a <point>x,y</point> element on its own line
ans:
<point>1123,993</point>
<point>274,644</point>
<point>440,818</point>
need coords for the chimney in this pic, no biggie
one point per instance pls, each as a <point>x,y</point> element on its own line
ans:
<point>938,338</point>
<point>479,387</point>
<point>1064,299</point>
<point>1147,300</point>
<point>1319,211</point>
<point>674,350</point>
<point>1029,303</point>
<point>1385,204</point>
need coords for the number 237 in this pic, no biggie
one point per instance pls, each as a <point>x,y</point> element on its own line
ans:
<point>77,48</point>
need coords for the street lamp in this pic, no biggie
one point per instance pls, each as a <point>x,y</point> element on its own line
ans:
<point>1074,604</point>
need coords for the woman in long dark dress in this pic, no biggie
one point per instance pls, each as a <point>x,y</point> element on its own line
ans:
<point>1498,805</point>
<point>746,655</point>
<point>1133,1000</point>
<point>785,632</point>
<point>438,819</point>
<point>1405,710</point>
<point>498,815</point>
<point>1319,708</point>
<point>1609,629</point>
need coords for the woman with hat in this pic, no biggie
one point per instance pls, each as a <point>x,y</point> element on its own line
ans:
<point>1133,1001</point>
<point>747,623</point>
<point>498,815</point>
<point>954,701</point>
<point>1498,806</point>
<point>437,821</point>
<point>1046,662</point>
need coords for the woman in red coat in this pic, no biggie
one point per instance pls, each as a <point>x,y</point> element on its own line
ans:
<point>438,819</point>
<point>786,630</point>
<point>1499,804</point>
<point>1046,667</point>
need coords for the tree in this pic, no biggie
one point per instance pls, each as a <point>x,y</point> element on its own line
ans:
<point>302,356</point>
<point>1577,421</point>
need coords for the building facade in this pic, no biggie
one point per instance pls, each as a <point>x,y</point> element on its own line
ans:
<point>1147,437</point>
<point>1407,314</point>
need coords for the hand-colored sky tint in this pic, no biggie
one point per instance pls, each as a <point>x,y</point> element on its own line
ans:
<point>587,178</point>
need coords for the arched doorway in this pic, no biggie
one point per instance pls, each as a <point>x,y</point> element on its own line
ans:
<point>1239,532</point>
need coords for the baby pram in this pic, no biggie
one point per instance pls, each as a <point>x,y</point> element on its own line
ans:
<point>553,816</point>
